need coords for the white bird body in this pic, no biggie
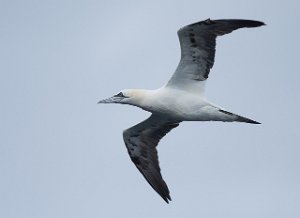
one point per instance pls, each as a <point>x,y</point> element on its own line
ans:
<point>176,104</point>
<point>181,99</point>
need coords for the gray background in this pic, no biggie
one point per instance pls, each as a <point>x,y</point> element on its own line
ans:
<point>62,155</point>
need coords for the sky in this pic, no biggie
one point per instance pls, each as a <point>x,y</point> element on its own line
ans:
<point>62,155</point>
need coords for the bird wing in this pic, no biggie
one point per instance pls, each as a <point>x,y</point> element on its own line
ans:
<point>141,141</point>
<point>198,47</point>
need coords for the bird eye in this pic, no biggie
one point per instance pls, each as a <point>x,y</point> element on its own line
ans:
<point>120,95</point>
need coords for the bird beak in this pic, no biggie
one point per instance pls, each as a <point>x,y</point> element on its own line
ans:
<point>110,100</point>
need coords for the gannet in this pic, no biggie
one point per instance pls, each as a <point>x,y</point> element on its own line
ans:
<point>181,99</point>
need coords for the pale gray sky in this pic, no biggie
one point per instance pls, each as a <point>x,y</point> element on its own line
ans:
<point>63,156</point>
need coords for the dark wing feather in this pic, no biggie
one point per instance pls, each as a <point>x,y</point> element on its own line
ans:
<point>198,46</point>
<point>141,141</point>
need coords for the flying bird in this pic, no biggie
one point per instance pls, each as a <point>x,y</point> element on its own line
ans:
<point>181,99</point>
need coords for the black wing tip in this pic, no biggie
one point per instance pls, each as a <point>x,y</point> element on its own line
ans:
<point>252,23</point>
<point>165,195</point>
<point>244,22</point>
<point>248,23</point>
<point>167,199</point>
<point>164,192</point>
<point>240,23</point>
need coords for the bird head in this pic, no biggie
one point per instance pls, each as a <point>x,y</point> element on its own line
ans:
<point>127,96</point>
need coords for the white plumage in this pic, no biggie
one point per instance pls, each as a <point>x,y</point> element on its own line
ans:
<point>181,99</point>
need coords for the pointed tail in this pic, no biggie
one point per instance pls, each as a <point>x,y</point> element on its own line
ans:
<point>240,118</point>
<point>246,120</point>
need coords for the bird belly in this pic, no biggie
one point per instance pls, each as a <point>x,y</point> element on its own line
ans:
<point>184,106</point>
<point>188,111</point>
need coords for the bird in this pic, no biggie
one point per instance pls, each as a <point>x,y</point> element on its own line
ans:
<point>182,98</point>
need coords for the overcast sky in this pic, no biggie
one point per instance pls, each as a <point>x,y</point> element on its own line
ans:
<point>62,155</point>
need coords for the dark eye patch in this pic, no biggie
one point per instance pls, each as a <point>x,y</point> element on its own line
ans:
<point>120,94</point>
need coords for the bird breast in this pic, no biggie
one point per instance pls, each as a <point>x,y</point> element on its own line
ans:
<point>176,104</point>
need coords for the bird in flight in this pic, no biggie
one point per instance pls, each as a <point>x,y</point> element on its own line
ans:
<point>181,99</point>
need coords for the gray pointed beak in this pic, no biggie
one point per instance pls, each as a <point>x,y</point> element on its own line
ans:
<point>110,100</point>
<point>107,100</point>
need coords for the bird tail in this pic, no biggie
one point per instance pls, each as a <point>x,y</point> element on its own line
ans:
<point>246,120</point>
<point>239,118</point>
